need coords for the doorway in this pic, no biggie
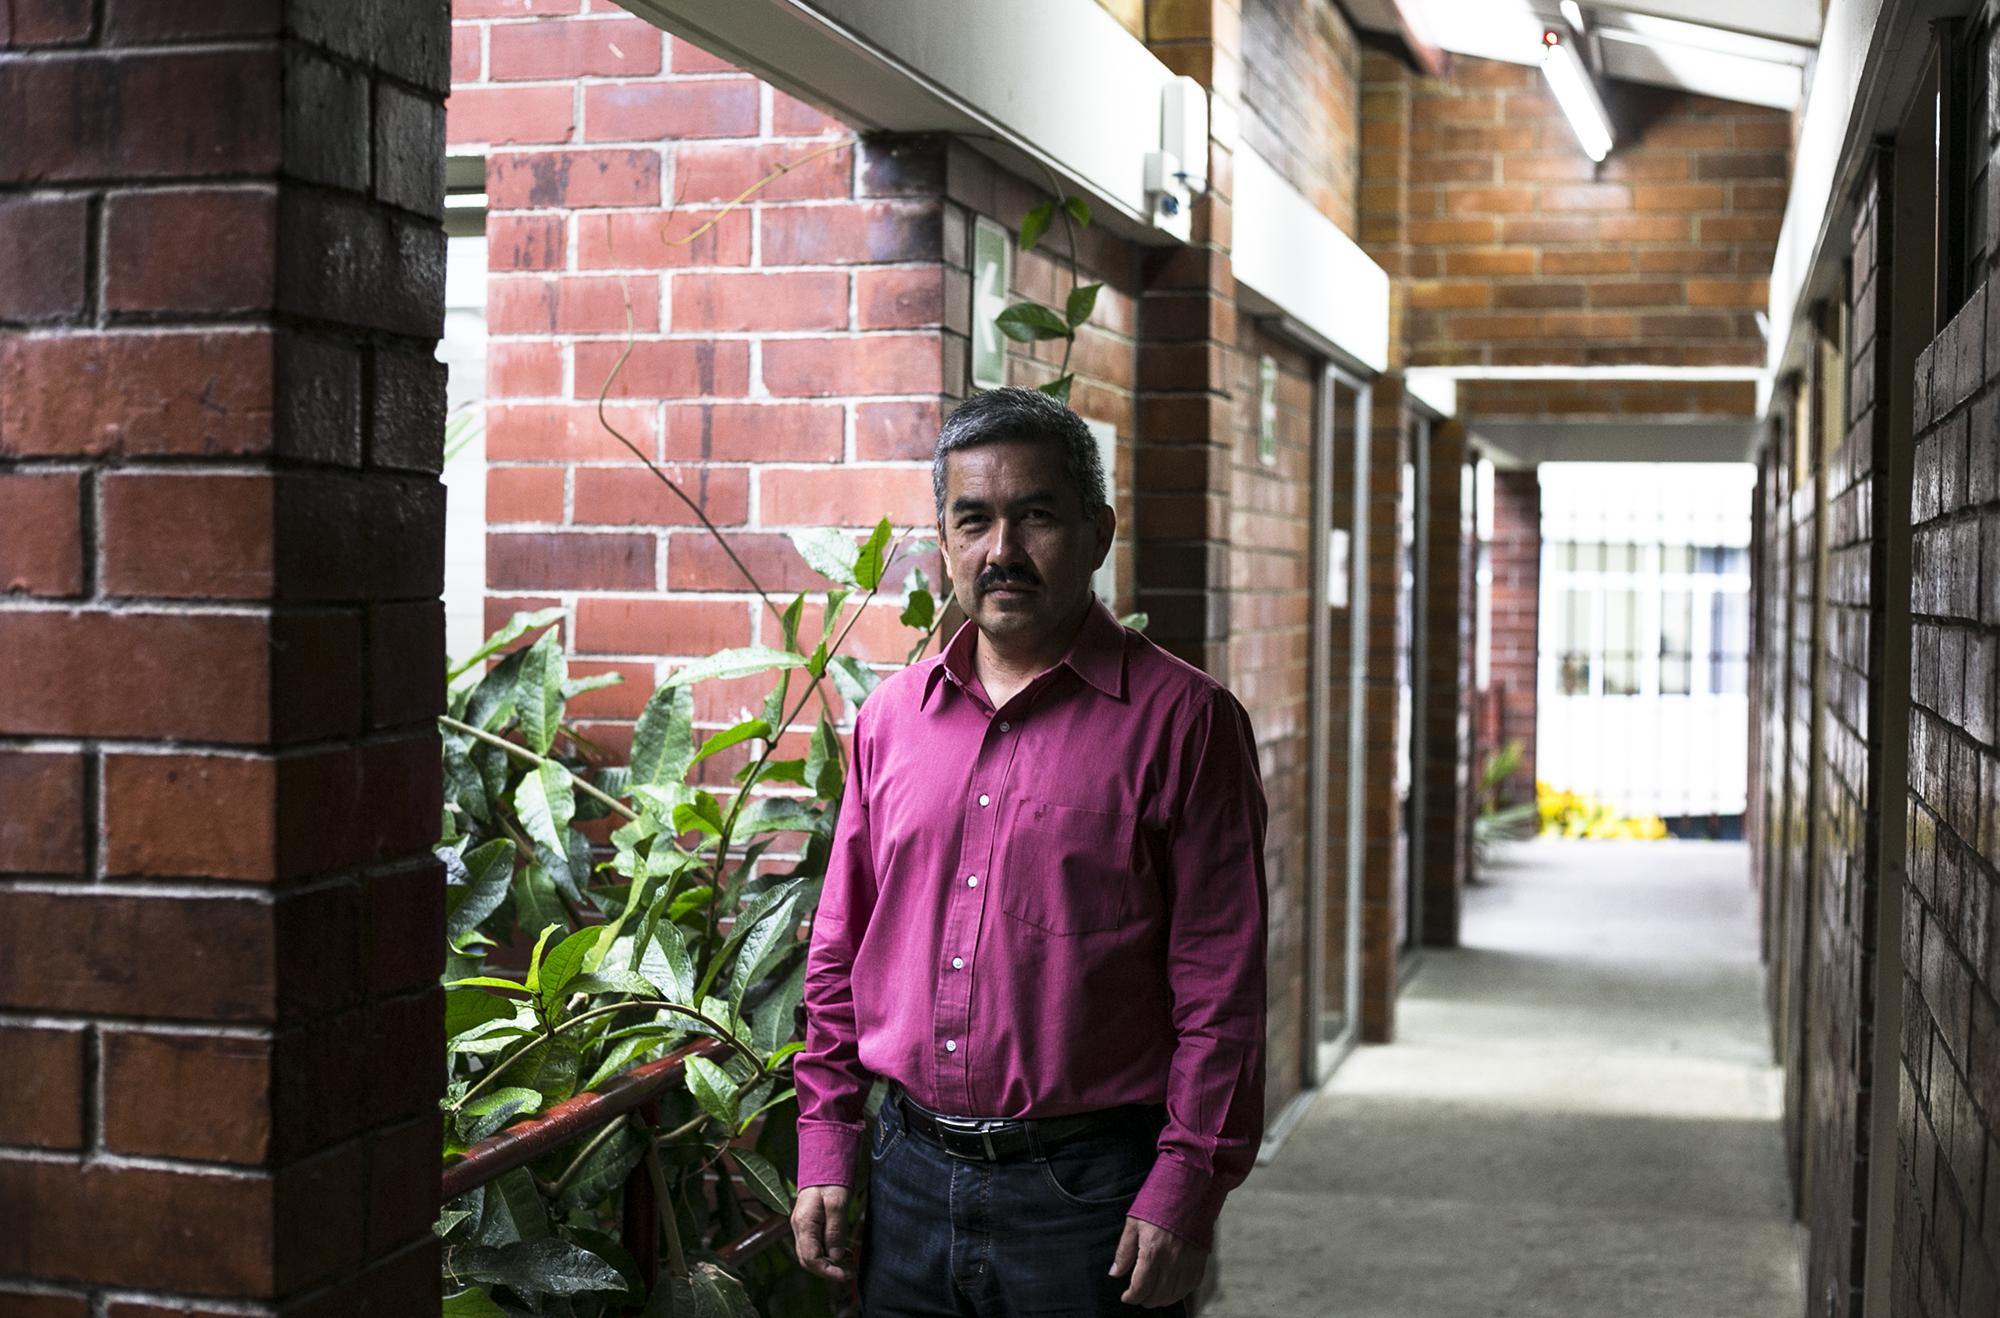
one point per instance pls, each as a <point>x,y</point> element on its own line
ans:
<point>1339,644</point>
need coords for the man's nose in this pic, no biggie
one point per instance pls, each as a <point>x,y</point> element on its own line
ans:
<point>1008,545</point>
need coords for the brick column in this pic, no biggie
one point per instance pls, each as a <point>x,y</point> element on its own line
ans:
<point>1517,602</point>
<point>1447,614</point>
<point>1187,332</point>
<point>221,272</point>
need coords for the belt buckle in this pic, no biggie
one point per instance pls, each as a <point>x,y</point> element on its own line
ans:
<point>980,1128</point>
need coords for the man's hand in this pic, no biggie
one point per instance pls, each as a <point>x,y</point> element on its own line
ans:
<point>1163,1267</point>
<point>819,1232</point>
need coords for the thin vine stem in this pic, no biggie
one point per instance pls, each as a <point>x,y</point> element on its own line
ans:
<point>722,839</point>
<point>583,1155</point>
<point>521,752</point>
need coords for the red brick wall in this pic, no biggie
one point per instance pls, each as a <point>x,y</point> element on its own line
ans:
<point>219,650</point>
<point>1522,251</point>
<point>1302,100</point>
<point>786,366</point>
<point>1270,656</point>
<point>790,365</point>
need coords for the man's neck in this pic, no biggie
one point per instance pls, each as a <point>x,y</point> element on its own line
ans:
<point>1004,672</point>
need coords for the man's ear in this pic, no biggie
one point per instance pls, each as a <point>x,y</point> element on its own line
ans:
<point>944,554</point>
<point>1106,527</point>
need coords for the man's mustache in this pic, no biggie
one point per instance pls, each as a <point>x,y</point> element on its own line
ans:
<point>994,577</point>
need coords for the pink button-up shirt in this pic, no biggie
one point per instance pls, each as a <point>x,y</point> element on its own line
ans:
<point>1049,908</point>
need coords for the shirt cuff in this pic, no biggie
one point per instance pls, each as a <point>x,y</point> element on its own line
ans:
<point>828,1152</point>
<point>1181,1200</point>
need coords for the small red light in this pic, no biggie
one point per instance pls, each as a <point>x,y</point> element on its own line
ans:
<point>1551,39</point>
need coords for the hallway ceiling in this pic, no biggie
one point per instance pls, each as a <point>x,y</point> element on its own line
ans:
<point>1757,54</point>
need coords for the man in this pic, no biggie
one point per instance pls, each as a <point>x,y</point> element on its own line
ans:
<point>1042,924</point>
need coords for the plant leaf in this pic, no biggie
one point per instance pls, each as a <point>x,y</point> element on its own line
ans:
<point>764,1180</point>
<point>703,814</point>
<point>775,1020</point>
<point>564,963</point>
<point>852,678</point>
<point>667,964</point>
<point>822,770</point>
<point>1058,388</point>
<point>829,552</point>
<point>546,802</point>
<point>488,981</point>
<point>1027,322</point>
<point>1078,208</point>
<point>779,814</point>
<point>788,621</point>
<point>1036,223</point>
<point>491,1112</point>
<point>919,605</point>
<point>535,904</point>
<point>612,981</point>
<point>722,741</point>
<point>1082,301</point>
<point>1136,621</point>
<point>513,630</point>
<point>539,695</point>
<point>605,1170</point>
<point>471,1304</point>
<point>468,1011</point>
<point>489,871</point>
<point>740,662</point>
<point>539,1267</point>
<point>873,560</point>
<point>770,937</point>
<point>713,1089</point>
<point>491,703</point>
<point>534,981</point>
<point>596,682</point>
<point>663,740</point>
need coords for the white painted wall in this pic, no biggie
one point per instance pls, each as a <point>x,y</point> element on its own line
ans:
<point>1289,252</point>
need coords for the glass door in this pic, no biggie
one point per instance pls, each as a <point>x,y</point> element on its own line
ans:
<point>1339,654</point>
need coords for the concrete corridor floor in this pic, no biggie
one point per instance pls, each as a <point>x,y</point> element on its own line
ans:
<point>1579,1117</point>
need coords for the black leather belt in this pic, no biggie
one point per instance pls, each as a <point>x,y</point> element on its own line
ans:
<point>994,1139</point>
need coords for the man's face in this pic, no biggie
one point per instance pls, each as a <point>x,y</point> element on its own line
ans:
<point>1017,544</point>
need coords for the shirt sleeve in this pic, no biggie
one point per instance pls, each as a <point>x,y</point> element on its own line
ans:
<point>1215,961</point>
<point>833,1086</point>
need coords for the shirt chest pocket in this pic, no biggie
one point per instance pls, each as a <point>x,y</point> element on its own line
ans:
<point>1069,870</point>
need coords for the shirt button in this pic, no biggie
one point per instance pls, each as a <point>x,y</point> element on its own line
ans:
<point>1006,726</point>
<point>983,798</point>
<point>951,1045</point>
<point>972,880</point>
<point>958,963</point>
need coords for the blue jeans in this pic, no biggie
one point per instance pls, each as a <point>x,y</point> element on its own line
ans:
<point>1029,1238</point>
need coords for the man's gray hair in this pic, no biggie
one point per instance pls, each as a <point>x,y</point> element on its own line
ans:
<point>1012,413</point>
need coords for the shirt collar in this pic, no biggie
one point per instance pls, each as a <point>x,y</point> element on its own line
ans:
<point>1097,655</point>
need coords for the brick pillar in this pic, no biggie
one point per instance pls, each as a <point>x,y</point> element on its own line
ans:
<point>1447,677</point>
<point>1384,857</point>
<point>221,279</point>
<point>1187,329</point>
<point>1517,601</point>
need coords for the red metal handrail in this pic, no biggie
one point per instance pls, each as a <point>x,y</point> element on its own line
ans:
<point>524,1142</point>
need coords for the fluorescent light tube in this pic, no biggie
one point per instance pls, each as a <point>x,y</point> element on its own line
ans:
<point>1573,14</point>
<point>1577,95</point>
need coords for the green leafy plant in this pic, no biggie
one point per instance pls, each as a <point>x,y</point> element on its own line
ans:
<point>1497,822</point>
<point>1031,322</point>
<point>663,899</point>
